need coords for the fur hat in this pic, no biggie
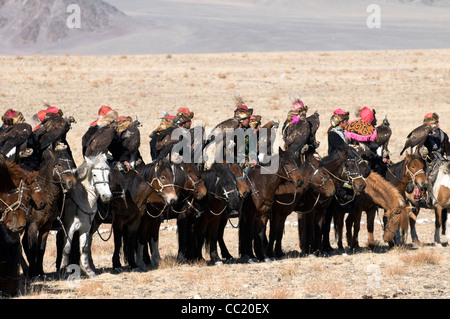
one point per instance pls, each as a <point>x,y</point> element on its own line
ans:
<point>107,119</point>
<point>255,121</point>
<point>338,116</point>
<point>297,104</point>
<point>122,123</point>
<point>242,111</point>
<point>102,111</point>
<point>13,117</point>
<point>183,115</point>
<point>431,118</point>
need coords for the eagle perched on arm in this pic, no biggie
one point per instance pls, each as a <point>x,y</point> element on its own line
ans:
<point>417,137</point>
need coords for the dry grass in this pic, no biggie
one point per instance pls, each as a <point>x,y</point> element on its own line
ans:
<point>421,258</point>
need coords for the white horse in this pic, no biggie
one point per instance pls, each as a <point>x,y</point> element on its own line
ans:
<point>439,192</point>
<point>81,206</point>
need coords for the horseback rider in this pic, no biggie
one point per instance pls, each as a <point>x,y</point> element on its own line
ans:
<point>437,142</point>
<point>337,140</point>
<point>297,113</point>
<point>245,153</point>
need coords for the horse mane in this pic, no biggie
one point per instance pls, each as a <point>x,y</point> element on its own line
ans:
<point>216,173</point>
<point>383,192</point>
<point>15,169</point>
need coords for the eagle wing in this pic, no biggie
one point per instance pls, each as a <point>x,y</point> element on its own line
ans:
<point>53,129</point>
<point>14,135</point>
<point>383,135</point>
<point>296,135</point>
<point>314,122</point>
<point>100,141</point>
<point>417,137</point>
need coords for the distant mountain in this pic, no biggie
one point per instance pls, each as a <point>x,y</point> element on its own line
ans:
<point>38,25</point>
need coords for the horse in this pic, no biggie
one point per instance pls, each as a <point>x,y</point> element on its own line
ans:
<point>81,207</point>
<point>223,199</point>
<point>410,169</point>
<point>256,207</point>
<point>317,179</point>
<point>315,213</point>
<point>19,189</point>
<point>56,176</point>
<point>378,193</point>
<point>438,200</point>
<point>155,178</point>
<point>190,188</point>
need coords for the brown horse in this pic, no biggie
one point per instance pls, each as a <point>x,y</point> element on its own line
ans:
<point>155,178</point>
<point>190,188</point>
<point>378,193</point>
<point>317,180</point>
<point>56,176</point>
<point>315,214</point>
<point>257,207</point>
<point>410,169</point>
<point>438,200</point>
<point>18,190</point>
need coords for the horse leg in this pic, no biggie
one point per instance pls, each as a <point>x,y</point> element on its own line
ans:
<point>348,227</point>
<point>356,228</point>
<point>213,232</point>
<point>153,235</point>
<point>223,247</point>
<point>370,228</point>
<point>71,226</point>
<point>85,246</point>
<point>444,217</point>
<point>339,225</point>
<point>259,239</point>
<point>246,234</point>
<point>117,233</point>
<point>412,224</point>
<point>131,244</point>
<point>437,224</point>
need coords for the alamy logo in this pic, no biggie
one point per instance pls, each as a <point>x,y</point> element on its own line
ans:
<point>74,20</point>
<point>374,19</point>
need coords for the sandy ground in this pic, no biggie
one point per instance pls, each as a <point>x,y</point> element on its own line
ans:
<point>402,85</point>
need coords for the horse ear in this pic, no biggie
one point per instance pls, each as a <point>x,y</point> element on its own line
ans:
<point>31,177</point>
<point>2,160</point>
<point>407,155</point>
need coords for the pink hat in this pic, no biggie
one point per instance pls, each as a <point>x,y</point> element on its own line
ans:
<point>184,110</point>
<point>53,109</point>
<point>339,112</point>
<point>104,110</point>
<point>10,113</point>
<point>367,115</point>
<point>297,105</point>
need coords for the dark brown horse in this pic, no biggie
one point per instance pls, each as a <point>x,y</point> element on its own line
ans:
<point>317,180</point>
<point>190,188</point>
<point>155,178</point>
<point>56,176</point>
<point>315,215</point>
<point>257,207</point>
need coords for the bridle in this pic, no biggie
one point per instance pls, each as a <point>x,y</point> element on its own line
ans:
<point>18,204</point>
<point>59,173</point>
<point>105,176</point>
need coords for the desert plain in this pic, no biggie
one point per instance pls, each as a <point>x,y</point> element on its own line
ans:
<point>401,85</point>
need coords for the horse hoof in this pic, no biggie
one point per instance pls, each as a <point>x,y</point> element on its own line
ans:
<point>218,263</point>
<point>136,269</point>
<point>118,270</point>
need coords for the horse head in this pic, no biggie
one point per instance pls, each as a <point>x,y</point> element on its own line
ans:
<point>38,198</point>
<point>241,182</point>
<point>194,182</point>
<point>395,219</point>
<point>162,181</point>
<point>318,177</point>
<point>98,171</point>
<point>221,185</point>
<point>289,167</point>
<point>415,168</point>
<point>16,196</point>
<point>353,174</point>
<point>63,166</point>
